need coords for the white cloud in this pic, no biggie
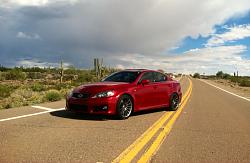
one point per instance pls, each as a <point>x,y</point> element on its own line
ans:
<point>30,2</point>
<point>18,3</point>
<point>207,60</point>
<point>38,63</point>
<point>141,29</point>
<point>28,36</point>
<point>234,33</point>
<point>139,26</point>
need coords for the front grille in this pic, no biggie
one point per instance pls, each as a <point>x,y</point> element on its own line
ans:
<point>81,95</point>
<point>76,107</point>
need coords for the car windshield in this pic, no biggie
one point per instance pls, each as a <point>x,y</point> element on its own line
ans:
<point>123,76</point>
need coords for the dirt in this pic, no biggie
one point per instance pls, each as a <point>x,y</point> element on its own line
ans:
<point>233,87</point>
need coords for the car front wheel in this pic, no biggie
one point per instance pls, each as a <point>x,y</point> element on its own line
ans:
<point>124,107</point>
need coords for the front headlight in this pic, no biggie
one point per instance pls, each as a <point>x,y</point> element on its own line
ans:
<point>104,94</point>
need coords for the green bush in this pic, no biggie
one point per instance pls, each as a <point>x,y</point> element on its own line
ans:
<point>219,74</point>
<point>226,76</point>
<point>5,91</point>
<point>15,74</point>
<point>37,87</point>
<point>52,95</point>
<point>21,97</point>
<point>244,83</point>
<point>64,92</point>
<point>196,75</point>
<point>60,86</point>
<point>85,77</point>
<point>2,76</point>
<point>234,79</point>
<point>35,75</point>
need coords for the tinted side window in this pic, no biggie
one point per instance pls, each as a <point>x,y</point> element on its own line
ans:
<point>158,77</point>
<point>147,76</point>
<point>123,76</point>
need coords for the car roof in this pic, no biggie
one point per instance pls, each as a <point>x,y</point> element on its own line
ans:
<point>139,70</point>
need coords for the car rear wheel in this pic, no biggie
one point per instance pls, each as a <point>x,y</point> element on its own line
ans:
<point>174,102</point>
<point>124,107</point>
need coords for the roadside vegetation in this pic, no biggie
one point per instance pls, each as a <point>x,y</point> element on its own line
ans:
<point>21,86</point>
<point>243,81</point>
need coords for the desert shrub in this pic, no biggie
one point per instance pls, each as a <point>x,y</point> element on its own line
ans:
<point>70,77</point>
<point>2,76</point>
<point>5,90</point>
<point>15,74</point>
<point>16,100</point>
<point>21,97</point>
<point>64,92</point>
<point>222,75</point>
<point>226,76</point>
<point>34,69</point>
<point>85,77</point>
<point>52,95</point>
<point>35,98</point>
<point>72,70</point>
<point>196,75</point>
<point>35,75</point>
<point>234,79</point>
<point>219,74</point>
<point>59,86</point>
<point>244,83</point>
<point>37,87</point>
<point>26,94</point>
<point>5,103</point>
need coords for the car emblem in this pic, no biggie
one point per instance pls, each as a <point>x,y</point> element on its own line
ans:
<point>80,95</point>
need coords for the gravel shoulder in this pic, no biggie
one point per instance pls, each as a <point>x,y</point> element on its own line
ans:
<point>231,87</point>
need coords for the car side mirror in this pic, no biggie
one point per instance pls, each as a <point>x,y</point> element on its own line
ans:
<point>144,81</point>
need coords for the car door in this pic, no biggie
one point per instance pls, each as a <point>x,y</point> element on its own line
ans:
<point>162,88</point>
<point>145,94</point>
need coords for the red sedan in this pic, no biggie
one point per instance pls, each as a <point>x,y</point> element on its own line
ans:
<point>125,92</point>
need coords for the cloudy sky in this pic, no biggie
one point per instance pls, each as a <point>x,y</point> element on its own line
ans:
<point>177,36</point>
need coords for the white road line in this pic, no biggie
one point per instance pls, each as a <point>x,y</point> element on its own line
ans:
<point>41,107</point>
<point>225,90</point>
<point>29,115</point>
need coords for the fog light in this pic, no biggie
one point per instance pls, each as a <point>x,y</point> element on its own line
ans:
<point>101,108</point>
<point>105,108</point>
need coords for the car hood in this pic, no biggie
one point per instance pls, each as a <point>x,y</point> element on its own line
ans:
<point>99,87</point>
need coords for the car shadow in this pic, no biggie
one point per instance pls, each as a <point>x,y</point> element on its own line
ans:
<point>82,116</point>
<point>79,116</point>
<point>143,112</point>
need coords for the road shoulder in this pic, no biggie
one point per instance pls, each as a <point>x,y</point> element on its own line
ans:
<point>241,91</point>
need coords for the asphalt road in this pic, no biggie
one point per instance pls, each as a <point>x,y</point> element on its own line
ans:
<point>213,126</point>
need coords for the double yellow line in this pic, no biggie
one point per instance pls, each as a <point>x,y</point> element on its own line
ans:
<point>128,154</point>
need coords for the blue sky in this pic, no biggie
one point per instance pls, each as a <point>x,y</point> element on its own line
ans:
<point>171,35</point>
<point>192,43</point>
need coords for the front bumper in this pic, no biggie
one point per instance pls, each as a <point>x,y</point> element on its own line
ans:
<point>105,106</point>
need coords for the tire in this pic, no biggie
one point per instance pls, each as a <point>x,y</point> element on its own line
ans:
<point>124,107</point>
<point>174,102</point>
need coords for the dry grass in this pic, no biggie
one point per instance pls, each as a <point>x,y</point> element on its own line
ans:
<point>29,92</point>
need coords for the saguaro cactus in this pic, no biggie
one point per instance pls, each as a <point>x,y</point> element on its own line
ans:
<point>98,67</point>
<point>61,72</point>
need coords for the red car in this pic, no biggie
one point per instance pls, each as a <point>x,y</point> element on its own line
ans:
<point>125,92</point>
